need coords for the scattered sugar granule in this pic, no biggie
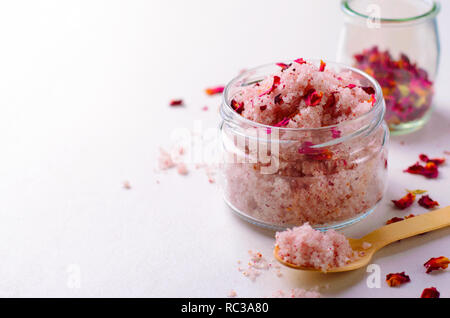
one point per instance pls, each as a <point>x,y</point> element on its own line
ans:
<point>127,185</point>
<point>210,171</point>
<point>257,265</point>
<point>366,245</point>
<point>232,293</point>
<point>296,293</point>
<point>307,247</point>
<point>165,160</point>
<point>182,169</point>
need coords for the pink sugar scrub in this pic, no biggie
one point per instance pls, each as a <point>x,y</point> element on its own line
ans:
<point>307,247</point>
<point>323,176</point>
<point>304,97</point>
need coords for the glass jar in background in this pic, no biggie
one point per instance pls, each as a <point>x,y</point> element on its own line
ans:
<point>279,177</point>
<point>396,42</point>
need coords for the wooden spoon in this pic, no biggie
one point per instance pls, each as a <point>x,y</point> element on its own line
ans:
<point>383,236</point>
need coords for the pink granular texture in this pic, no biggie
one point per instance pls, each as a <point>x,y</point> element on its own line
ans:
<point>305,188</point>
<point>307,247</point>
<point>257,265</point>
<point>296,293</point>
<point>350,100</point>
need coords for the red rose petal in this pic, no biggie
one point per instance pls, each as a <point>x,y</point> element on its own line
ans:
<point>322,66</point>
<point>405,202</point>
<point>276,82</point>
<point>436,263</point>
<point>313,98</point>
<point>214,90</point>
<point>396,279</point>
<point>278,99</point>
<point>315,154</point>
<point>369,90</point>
<point>283,66</point>
<point>430,170</point>
<point>431,292</point>
<point>306,148</point>
<point>238,107</point>
<point>397,219</point>
<point>427,202</point>
<point>436,161</point>
<point>372,99</point>
<point>300,61</point>
<point>335,133</point>
<point>176,102</point>
<point>282,123</point>
<point>394,220</point>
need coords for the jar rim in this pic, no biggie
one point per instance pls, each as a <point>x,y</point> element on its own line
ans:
<point>378,107</point>
<point>431,13</point>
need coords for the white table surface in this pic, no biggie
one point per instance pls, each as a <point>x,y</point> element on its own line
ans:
<point>84,91</point>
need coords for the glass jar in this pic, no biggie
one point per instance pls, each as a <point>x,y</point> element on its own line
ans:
<point>396,42</point>
<point>279,177</point>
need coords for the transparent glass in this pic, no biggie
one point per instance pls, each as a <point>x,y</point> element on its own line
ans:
<point>282,177</point>
<point>396,42</point>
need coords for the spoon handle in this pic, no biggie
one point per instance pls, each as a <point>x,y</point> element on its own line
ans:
<point>423,223</point>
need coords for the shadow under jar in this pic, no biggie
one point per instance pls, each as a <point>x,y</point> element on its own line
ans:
<point>279,177</point>
<point>396,42</point>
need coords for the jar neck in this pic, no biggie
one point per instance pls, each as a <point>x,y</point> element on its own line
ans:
<point>390,13</point>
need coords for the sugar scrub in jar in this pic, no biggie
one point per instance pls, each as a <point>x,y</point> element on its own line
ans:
<point>396,42</point>
<point>303,141</point>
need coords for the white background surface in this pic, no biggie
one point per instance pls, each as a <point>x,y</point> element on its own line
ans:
<point>84,91</point>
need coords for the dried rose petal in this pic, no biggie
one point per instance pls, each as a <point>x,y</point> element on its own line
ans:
<point>306,148</point>
<point>429,171</point>
<point>263,107</point>
<point>405,202</point>
<point>300,61</point>
<point>324,154</point>
<point>283,66</point>
<point>282,123</point>
<point>418,191</point>
<point>397,219</point>
<point>437,161</point>
<point>335,133</point>
<point>431,292</point>
<point>436,263</point>
<point>214,90</point>
<point>351,86</point>
<point>427,202</point>
<point>322,66</point>
<point>278,99</point>
<point>315,154</point>
<point>176,102</point>
<point>406,88</point>
<point>313,98</point>
<point>369,90</point>
<point>396,279</point>
<point>238,107</point>
<point>276,82</point>
<point>394,220</point>
<point>372,99</point>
